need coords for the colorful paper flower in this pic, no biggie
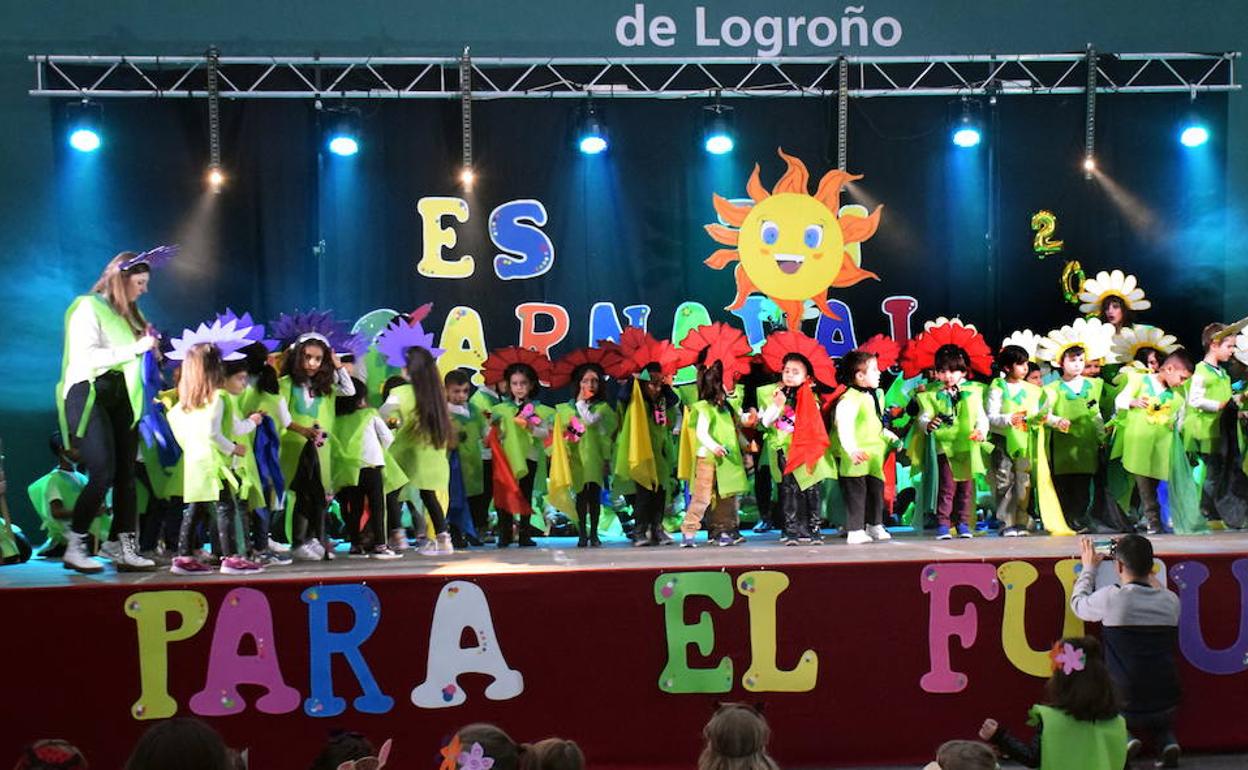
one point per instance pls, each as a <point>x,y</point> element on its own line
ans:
<point>1068,658</point>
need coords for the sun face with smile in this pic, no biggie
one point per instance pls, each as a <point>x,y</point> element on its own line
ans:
<point>790,245</point>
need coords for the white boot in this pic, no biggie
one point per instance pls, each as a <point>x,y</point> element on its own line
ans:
<point>129,559</point>
<point>76,556</point>
<point>857,537</point>
<point>878,532</point>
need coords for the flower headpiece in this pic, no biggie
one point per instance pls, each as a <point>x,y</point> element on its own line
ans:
<point>717,343</point>
<point>1130,340</point>
<point>318,325</point>
<point>254,331</point>
<point>1111,284</point>
<point>499,360</point>
<point>1025,339</point>
<point>1241,348</point>
<point>228,338</point>
<point>1067,658</point>
<point>606,358</point>
<point>1091,334</point>
<point>454,757</point>
<point>397,338</point>
<point>781,344</point>
<point>153,258</point>
<point>920,352</point>
<point>884,348</point>
<point>638,350</point>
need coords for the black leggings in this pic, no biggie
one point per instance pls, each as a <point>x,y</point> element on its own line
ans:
<point>310,508</point>
<point>589,507</point>
<point>108,448</point>
<point>433,509</point>
<point>352,500</point>
<point>231,536</point>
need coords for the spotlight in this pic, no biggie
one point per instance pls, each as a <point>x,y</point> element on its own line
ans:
<point>966,131</point>
<point>717,130</point>
<point>1089,165</point>
<point>593,137</point>
<point>84,126</point>
<point>467,177</point>
<point>1194,135</point>
<point>216,178</point>
<point>343,131</point>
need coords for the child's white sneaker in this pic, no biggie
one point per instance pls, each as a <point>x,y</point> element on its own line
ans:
<point>857,537</point>
<point>878,532</point>
<point>444,544</point>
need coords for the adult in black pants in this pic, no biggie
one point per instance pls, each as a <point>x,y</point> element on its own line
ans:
<point>101,394</point>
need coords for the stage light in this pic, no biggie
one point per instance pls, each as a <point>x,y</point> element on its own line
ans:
<point>342,129</point>
<point>717,130</point>
<point>593,136</point>
<point>1089,165</point>
<point>467,177</point>
<point>966,131</point>
<point>216,178</point>
<point>84,126</point>
<point>1194,135</point>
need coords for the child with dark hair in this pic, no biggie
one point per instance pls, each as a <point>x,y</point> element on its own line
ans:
<point>1208,394</point>
<point>1139,618</point>
<point>553,754</point>
<point>736,739</point>
<point>53,496</point>
<point>590,423</point>
<point>343,746</point>
<point>719,473</point>
<point>470,425</point>
<point>862,447</point>
<point>1013,406</point>
<point>1078,725</point>
<point>1152,405</point>
<point>953,417</point>
<point>364,473</point>
<point>180,744</point>
<point>522,435</point>
<point>964,755</point>
<point>481,741</point>
<point>1072,404</point>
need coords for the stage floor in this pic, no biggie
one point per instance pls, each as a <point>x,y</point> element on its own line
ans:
<point>560,554</point>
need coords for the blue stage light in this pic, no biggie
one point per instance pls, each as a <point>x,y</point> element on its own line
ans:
<point>967,136</point>
<point>344,145</point>
<point>84,140</point>
<point>82,120</point>
<point>592,144</point>
<point>717,130</point>
<point>593,136</point>
<point>967,126</point>
<point>1194,136</point>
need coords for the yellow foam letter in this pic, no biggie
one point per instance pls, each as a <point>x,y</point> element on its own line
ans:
<point>463,339</point>
<point>1016,576</point>
<point>436,237</point>
<point>150,610</point>
<point>761,590</point>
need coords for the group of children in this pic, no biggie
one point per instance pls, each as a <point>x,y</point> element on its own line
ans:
<point>1066,432</point>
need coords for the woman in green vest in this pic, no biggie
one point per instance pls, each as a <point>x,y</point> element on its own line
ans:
<point>100,399</point>
<point>1078,727</point>
<point>589,424</point>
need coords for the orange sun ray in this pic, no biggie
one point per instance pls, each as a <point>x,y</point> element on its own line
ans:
<point>729,212</point>
<point>744,289</point>
<point>724,235</point>
<point>720,259</point>
<point>795,180</point>
<point>858,229</point>
<point>821,302</point>
<point>792,309</point>
<point>829,192</point>
<point>850,273</point>
<point>755,188</point>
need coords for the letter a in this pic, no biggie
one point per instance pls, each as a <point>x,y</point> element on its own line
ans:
<point>463,605</point>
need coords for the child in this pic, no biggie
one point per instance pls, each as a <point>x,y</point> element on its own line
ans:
<point>1079,726</point>
<point>863,445</point>
<point>522,433</point>
<point>1073,408</point>
<point>200,422</point>
<point>964,755</point>
<point>719,471</point>
<point>424,435</point>
<point>470,426</point>
<point>1207,395</point>
<point>736,739</point>
<point>802,363</point>
<point>1013,406</point>
<point>53,496</point>
<point>312,375</point>
<point>590,422</point>
<point>1151,407</point>
<point>364,472</point>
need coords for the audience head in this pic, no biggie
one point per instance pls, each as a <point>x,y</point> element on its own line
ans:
<point>553,754</point>
<point>342,746</point>
<point>51,754</point>
<point>964,755</point>
<point>180,744</point>
<point>494,743</point>
<point>1134,554</point>
<point>736,739</point>
<point>1080,683</point>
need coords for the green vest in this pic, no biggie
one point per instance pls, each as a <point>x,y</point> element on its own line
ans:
<point>119,334</point>
<point>1069,744</point>
<point>591,454</point>
<point>347,447</point>
<point>1148,434</point>
<point>205,467</point>
<point>730,478</point>
<point>1203,430</point>
<point>66,486</point>
<point>868,433</point>
<point>953,438</point>
<point>319,412</point>
<point>245,467</point>
<point>1017,441</point>
<point>483,401</point>
<point>426,466</point>
<point>1078,449</point>
<point>471,430</point>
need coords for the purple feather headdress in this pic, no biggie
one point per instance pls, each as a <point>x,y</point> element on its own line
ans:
<point>395,339</point>
<point>254,331</point>
<point>153,258</point>
<point>227,337</point>
<point>318,325</point>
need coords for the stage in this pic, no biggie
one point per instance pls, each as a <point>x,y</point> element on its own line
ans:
<point>860,655</point>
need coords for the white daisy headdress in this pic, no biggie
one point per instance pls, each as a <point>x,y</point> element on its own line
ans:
<point>1025,339</point>
<point>1111,284</point>
<point>1085,333</point>
<point>229,338</point>
<point>1132,339</point>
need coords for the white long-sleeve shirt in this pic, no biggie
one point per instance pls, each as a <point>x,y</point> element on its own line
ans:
<point>90,353</point>
<point>377,438</point>
<point>1000,421</point>
<point>707,446</point>
<point>584,411</point>
<point>1196,393</point>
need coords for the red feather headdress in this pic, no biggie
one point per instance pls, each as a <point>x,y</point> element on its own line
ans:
<point>706,344</point>
<point>498,361</point>
<point>885,348</point>
<point>637,350</point>
<point>780,344</point>
<point>920,353</point>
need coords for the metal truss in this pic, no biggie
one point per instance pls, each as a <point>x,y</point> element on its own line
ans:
<point>277,77</point>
